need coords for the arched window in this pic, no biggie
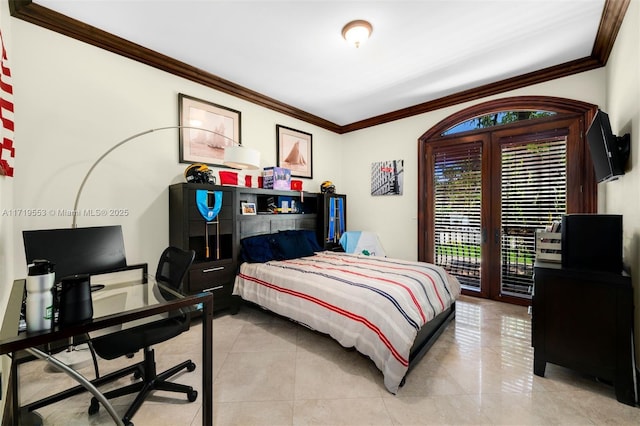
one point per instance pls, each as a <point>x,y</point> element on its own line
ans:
<point>495,119</point>
<point>493,174</point>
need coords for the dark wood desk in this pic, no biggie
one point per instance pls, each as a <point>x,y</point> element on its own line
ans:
<point>143,302</point>
<point>583,320</point>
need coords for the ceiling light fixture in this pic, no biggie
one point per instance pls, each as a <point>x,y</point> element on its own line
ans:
<point>357,32</point>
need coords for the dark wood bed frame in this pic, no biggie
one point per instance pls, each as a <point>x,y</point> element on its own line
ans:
<point>248,226</point>
<point>428,335</point>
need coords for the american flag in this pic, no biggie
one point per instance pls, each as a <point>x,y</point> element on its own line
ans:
<point>7,151</point>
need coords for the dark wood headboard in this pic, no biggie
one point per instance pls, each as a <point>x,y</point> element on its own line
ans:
<point>270,223</point>
<point>260,224</point>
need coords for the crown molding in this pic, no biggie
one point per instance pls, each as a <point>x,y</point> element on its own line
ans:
<point>612,16</point>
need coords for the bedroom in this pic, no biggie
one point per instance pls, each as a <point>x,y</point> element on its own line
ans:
<point>85,108</point>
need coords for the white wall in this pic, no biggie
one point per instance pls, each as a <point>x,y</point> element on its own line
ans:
<point>74,101</point>
<point>393,217</point>
<point>623,106</point>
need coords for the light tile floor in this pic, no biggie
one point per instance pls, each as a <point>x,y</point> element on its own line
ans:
<point>269,371</point>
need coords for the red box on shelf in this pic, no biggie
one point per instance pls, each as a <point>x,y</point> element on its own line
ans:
<point>296,185</point>
<point>228,178</point>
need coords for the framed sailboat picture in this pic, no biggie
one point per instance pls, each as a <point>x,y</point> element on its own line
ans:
<point>294,151</point>
<point>201,146</point>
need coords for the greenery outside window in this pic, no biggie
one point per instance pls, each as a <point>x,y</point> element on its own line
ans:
<point>496,119</point>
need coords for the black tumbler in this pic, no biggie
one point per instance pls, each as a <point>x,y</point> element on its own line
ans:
<point>75,300</point>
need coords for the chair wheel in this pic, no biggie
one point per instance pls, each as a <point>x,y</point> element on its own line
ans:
<point>137,374</point>
<point>191,367</point>
<point>192,396</point>
<point>94,407</point>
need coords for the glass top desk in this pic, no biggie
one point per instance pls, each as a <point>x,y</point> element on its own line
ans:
<point>125,301</point>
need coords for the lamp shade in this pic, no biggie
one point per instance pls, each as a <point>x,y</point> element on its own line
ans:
<point>240,157</point>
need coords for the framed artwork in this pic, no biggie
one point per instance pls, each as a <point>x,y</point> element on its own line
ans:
<point>248,208</point>
<point>294,151</point>
<point>387,177</point>
<point>200,146</point>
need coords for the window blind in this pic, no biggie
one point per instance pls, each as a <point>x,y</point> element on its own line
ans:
<point>457,211</point>
<point>534,193</point>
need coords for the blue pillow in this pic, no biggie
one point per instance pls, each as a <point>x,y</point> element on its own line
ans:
<point>291,246</point>
<point>257,249</point>
<point>309,235</point>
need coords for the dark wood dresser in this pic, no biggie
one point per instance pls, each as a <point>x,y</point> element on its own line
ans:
<point>583,320</point>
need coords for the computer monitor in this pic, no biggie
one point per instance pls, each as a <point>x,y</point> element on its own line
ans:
<point>91,250</point>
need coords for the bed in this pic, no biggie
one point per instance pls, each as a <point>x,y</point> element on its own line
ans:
<point>390,310</point>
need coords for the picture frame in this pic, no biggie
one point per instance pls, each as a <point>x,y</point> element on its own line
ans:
<point>387,177</point>
<point>198,146</point>
<point>248,208</point>
<point>294,151</point>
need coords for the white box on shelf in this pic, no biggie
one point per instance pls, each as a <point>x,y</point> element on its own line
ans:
<point>549,246</point>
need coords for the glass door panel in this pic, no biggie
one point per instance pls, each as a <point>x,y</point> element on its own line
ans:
<point>457,192</point>
<point>533,194</point>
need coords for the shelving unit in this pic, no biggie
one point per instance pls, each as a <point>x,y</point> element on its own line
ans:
<point>331,217</point>
<point>214,267</point>
<point>266,221</point>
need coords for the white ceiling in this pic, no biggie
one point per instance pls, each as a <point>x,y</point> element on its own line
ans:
<point>293,51</point>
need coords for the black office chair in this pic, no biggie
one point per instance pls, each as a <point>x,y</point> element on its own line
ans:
<point>172,267</point>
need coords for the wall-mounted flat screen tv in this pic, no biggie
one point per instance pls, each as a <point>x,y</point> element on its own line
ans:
<point>608,151</point>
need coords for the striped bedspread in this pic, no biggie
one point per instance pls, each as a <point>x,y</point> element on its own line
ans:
<point>374,304</point>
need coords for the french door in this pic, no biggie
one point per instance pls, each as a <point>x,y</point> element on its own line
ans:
<point>488,192</point>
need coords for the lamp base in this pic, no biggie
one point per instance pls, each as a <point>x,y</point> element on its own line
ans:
<point>75,357</point>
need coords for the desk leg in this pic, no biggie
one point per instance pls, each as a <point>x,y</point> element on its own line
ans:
<point>207,361</point>
<point>15,396</point>
<point>18,415</point>
<point>80,379</point>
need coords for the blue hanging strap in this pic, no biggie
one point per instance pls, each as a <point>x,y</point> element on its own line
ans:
<point>332,216</point>
<point>341,215</point>
<point>202,201</point>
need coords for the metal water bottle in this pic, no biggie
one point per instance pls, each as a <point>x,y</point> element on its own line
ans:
<point>40,281</point>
